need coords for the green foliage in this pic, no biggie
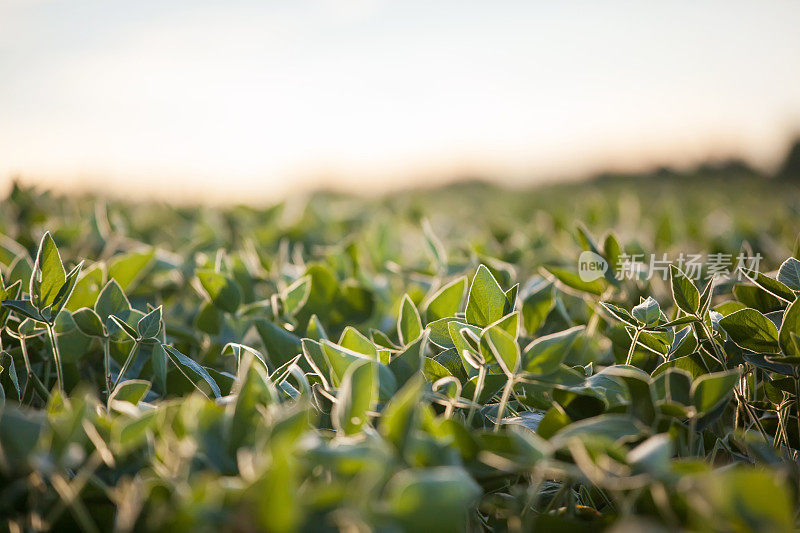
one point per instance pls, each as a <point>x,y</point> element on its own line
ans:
<point>487,301</point>
<point>223,290</point>
<point>349,368</point>
<point>751,330</point>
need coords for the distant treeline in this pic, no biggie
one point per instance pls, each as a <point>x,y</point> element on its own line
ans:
<point>731,167</point>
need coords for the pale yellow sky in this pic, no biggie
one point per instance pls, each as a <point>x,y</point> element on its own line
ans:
<point>252,100</point>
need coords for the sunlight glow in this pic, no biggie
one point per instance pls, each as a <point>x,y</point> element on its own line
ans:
<point>240,100</point>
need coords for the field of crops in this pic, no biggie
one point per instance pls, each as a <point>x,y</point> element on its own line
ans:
<point>427,361</point>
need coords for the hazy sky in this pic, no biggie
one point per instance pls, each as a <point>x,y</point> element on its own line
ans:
<point>253,99</point>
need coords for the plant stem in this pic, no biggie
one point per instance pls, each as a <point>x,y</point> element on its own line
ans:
<point>24,346</point>
<point>127,364</point>
<point>56,357</point>
<point>710,336</point>
<point>754,417</point>
<point>633,346</point>
<point>107,364</point>
<point>797,406</point>
<point>478,390</point>
<point>503,401</point>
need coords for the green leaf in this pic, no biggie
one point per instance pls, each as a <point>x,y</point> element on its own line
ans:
<point>399,416</point>
<point>751,330</point>
<point>769,363</point>
<point>615,427</point>
<point>128,434</point>
<point>381,340</point>
<point>358,394</point>
<point>324,290</point>
<point>209,319</point>
<point>440,332</point>
<point>743,499</point>
<point>296,295</point>
<point>48,273</point>
<point>452,362</point>
<point>87,289</point>
<point>112,301</point>
<point>487,301</point>
<point>315,358</point>
<point>8,375</point>
<point>432,499</point>
<point>223,290</point>
<point>150,325</point>
<point>315,330</point>
<point>340,358</point>
<point>128,269</point>
<point>710,390</point>
<point>769,285</point>
<point>458,330</point>
<point>554,420</point>
<point>352,339</point>
<point>757,298</point>
<point>131,391</point>
<point>281,345</point>
<point>20,270</point>
<point>285,370</point>
<point>240,350</point>
<point>19,433</point>
<point>505,350</point>
<point>692,363</point>
<point>790,325</point>
<point>23,307</point>
<point>682,321</point>
<point>252,389</point>
<point>129,330</point>
<point>184,363</point>
<point>678,385</point>
<point>684,292</point>
<point>409,324</point>
<point>648,312</point>
<point>509,324</point>
<point>653,455</point>
<point>537,301</point>
<point>789,274</point>
<point>89,322</point>
<point>620,314</point>
<point>158,359</point>
<point>446,301</point>
<point>511,299</point>
<point>7,293</point>
<point>354,302</point>
<point>574,281</point>
<point>545,354</point>
<point>638,382</point>
<point>66,289</point>
<point>491,386</point>
<point>277,506</point>
<point>433,370</point>
<point>408,362</point>
<point>29,328</point>
<point>706,296</point>
<point>612,250</point>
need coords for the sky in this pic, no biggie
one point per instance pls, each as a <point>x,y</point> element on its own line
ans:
<point>244,100</point>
